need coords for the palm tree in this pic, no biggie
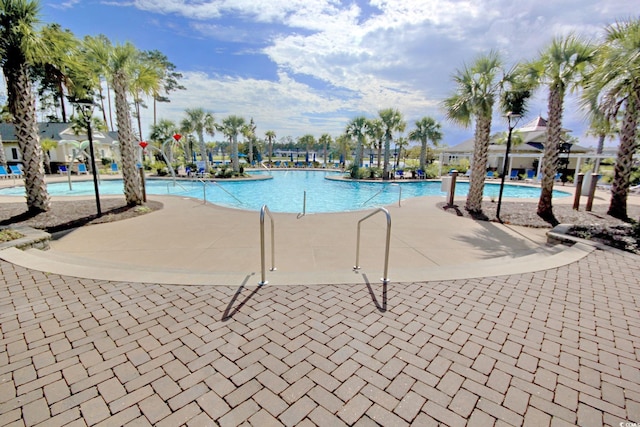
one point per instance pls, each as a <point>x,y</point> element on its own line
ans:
<point>271,135</point>
<point>616,83</point>
<point>325,140</point>
<point>392,121</point>
<point>119,66</point>
<point>249,133</point>
<point>146,80</point>
<point>57,68</point>
<point>343,144</point>
<point>19,48</point>
<point>357,128</point>
<point>47,145</point>
<point>97,52</point>
<point>561,66</point>
<point>476,89</point>
<point>231,127</point>
<point>307,141</point>
<point>199,121</point>
<point>427,129</point>
<point>375,131</point>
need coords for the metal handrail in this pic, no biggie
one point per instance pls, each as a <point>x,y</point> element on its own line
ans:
<point>174,184</point>
<point>399,196</point>
<point>263,211</point>
<point>369,199</point>
<point>205,183</point>
<point>385,278</point>
<point>304,205</point>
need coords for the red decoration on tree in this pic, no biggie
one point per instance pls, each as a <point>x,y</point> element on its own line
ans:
<point>143,144</point>
<point>177,136</point>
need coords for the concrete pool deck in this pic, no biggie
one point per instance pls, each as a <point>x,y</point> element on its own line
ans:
<point>192,243</point>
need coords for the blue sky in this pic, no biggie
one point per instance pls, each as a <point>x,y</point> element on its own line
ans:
<point>309,66</point>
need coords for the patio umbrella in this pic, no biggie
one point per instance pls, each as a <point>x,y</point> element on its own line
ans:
<point>291,156</point>
<point>306,157</point>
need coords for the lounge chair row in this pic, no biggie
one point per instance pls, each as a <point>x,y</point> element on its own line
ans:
<point>15,172</point>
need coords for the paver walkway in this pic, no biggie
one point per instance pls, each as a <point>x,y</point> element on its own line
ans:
<point>557,347</point>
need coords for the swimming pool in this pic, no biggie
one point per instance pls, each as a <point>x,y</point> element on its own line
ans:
<point>285,192</point>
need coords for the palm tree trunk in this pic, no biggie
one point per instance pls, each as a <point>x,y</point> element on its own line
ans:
<point>387,152</point>
<point>379,152</point>
<point>3,157</point>
<point>624,161</point>
<point>234,149</point>
<point>132,190</point>
<point>423,154</point>
<point>479,169</point>
<point>599,150</point>
<point>109,103</point>
<point>550,158</point>
<point>203,148</point>
<point>21,105</point>
<point>104,112</point>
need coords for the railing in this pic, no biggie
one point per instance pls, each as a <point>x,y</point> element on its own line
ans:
<point>375,195</point>
<point>385,278</point>
<point>263,211</point>
<point>204,188</point>
<point>304,205</point>
<point>174,184</point>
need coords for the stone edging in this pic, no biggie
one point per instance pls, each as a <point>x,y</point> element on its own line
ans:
<point>33,238</point>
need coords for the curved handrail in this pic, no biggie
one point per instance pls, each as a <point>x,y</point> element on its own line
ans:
<point>385,278</point>
<point>375,195</point>
<point>265,211</point>
<point>369,199</point>
<point>205,183</point>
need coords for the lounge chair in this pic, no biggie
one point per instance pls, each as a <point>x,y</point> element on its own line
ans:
<point>399,174</point>
<point>62,170</point>
<point>490,174</point>
<point>514,175</point>
<point>15,170</point>
<point>530,174</point>
<point>635,189</point>
<point>420,173</point>
<point>4,173</point>
<point>82,168</point>
<point>558,177</point>
<point>114,168</point>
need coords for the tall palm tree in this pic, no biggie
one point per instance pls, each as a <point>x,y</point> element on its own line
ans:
<point>325,140</point>
<point>56,70</point>
<point>375,131</point>
<point>561,67</point>
<point>146,80</point>
<point>271,135</point>
<point>357,129</point>
<point>97,52</point>
<point>392,121</point>
<point>427,129</point>
<point>231,127</point>
<point>476,89</point>
<point>249,133</point>
<point>119,71</point>
<point>199,121</point>
<point>343,144</point>
<point>616,81</point>
<point>19,48</point>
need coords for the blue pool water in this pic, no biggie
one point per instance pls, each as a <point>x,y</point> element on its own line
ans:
<point>285,192</point>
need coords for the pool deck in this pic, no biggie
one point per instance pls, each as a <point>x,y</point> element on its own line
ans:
<point>512,332</point>
<point>192,243</point>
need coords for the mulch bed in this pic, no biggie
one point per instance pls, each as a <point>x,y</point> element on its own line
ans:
<point>65,215</point>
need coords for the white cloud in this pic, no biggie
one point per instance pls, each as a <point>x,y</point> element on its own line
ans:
<point>372,54</point>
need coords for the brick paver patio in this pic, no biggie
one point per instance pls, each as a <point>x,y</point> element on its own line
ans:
<point>558,347</point>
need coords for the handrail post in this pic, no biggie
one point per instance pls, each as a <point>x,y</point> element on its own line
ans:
<point>385,278</point>
<point>263,211</point>
<point>304,205</point>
